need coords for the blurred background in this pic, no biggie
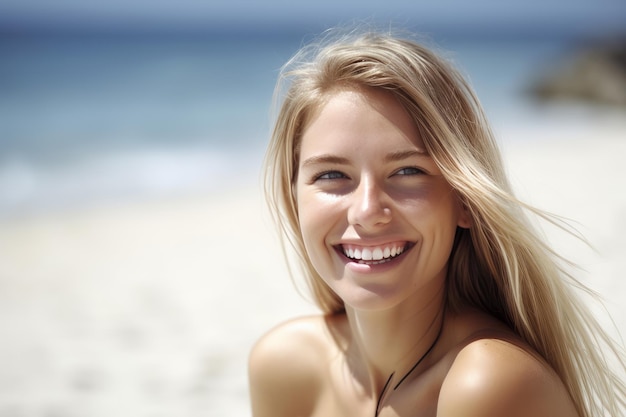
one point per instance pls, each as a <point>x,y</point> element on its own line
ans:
<point>133,273</point>
<point>113,100</point>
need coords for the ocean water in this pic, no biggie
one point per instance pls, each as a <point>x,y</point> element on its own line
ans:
<point>104,118</point>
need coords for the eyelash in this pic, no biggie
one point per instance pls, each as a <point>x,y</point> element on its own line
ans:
<point>332,175</point>
<point>338,175</point>
<point>415,171</point>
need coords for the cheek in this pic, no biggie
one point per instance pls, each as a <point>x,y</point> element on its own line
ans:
<point>449,208</point>
<point>314,207</point>
<point>438,221</point>
<point>313,239</point>
<point>317,215</point>
<point>309,219</point>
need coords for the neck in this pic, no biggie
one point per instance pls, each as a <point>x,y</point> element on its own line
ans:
<point>392,341</point>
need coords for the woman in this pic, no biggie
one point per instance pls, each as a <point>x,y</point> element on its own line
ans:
<point>438,297</point>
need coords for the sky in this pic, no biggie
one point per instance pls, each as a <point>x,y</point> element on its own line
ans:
<point>581,15</point>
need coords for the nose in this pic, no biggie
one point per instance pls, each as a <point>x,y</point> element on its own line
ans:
<point>369,206</point>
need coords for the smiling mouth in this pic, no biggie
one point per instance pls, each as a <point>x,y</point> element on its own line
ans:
<point>374,255</point>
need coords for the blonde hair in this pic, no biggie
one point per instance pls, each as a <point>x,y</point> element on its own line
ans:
<point>500,264</point>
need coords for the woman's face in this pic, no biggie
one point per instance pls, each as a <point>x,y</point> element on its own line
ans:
<point>377,217</point>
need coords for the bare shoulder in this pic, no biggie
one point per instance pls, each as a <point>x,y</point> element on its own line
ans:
<point>284,368</point>
<point>498,375</point>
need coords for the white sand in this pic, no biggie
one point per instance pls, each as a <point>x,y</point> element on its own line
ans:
<point>150,309</point>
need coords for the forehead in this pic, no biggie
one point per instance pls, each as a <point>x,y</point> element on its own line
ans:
<point>350,118</point>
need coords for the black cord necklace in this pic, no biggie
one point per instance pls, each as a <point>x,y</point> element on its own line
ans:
<point>384,390</point>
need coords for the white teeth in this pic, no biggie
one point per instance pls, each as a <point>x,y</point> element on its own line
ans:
<point>374,253</point>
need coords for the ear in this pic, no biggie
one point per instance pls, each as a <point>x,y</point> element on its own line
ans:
<point>465,218</point>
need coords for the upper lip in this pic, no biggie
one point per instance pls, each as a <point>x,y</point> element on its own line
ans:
<point>369,242</point>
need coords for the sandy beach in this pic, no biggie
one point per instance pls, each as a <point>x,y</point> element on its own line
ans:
<point>150,309</point>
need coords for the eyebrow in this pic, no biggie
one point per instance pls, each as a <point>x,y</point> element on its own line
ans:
<point>402,155</point>
<point>325,159</point>
<point>338,160</point>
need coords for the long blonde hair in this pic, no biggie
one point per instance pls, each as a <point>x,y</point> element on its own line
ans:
<point>500,264</point>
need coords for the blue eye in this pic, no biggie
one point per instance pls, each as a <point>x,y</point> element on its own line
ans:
<point>409,171</point>
<point>330,175</point>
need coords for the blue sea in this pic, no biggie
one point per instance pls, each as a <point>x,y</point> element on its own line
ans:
<point>105,118</point>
